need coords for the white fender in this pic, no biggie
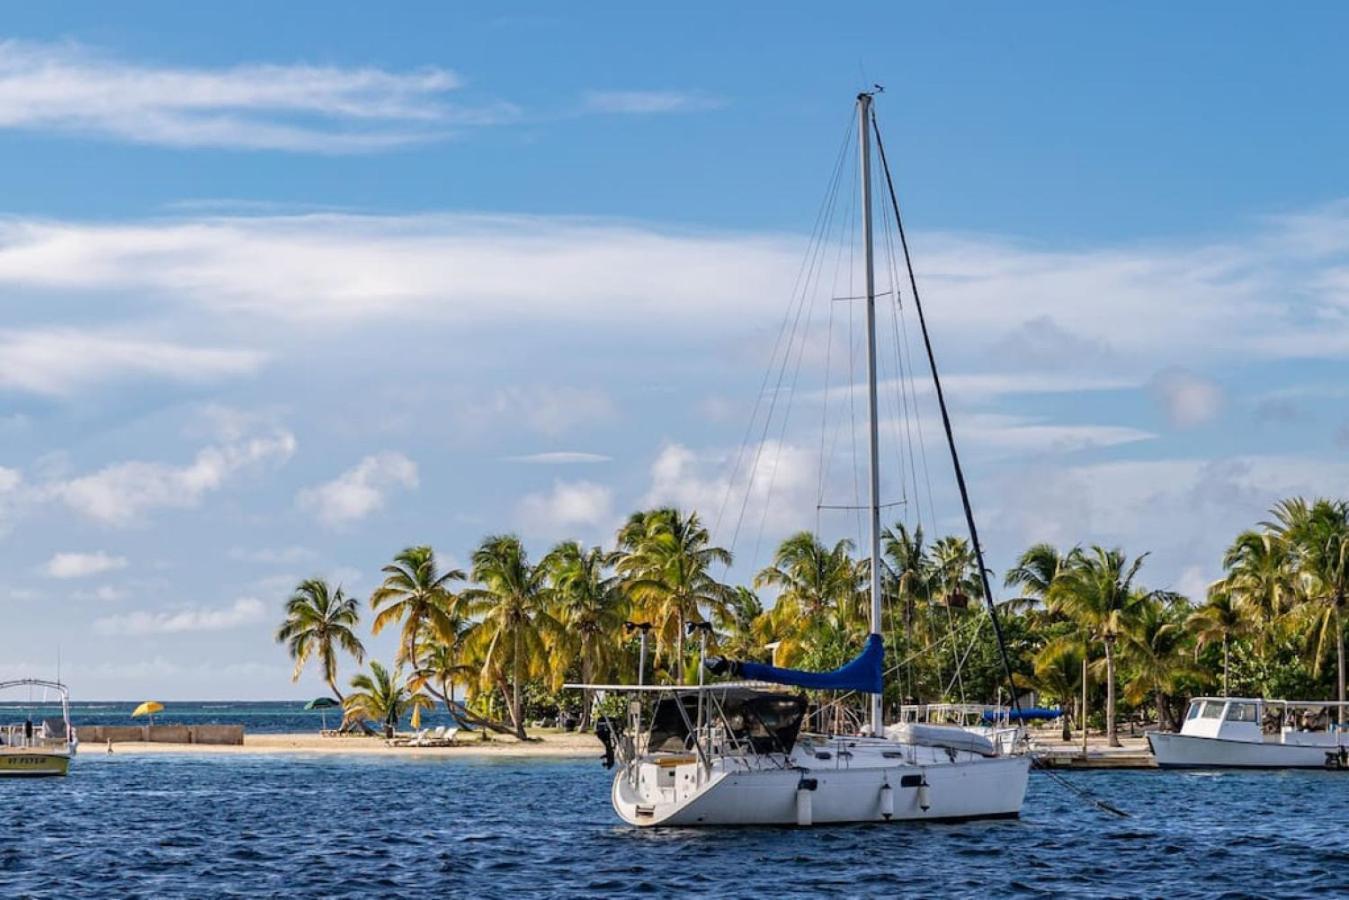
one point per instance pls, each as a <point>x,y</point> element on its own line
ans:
<point>887,801</point>
<point>803,806</point>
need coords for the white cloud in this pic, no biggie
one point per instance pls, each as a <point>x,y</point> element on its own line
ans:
<point>648,102</point>
<point>59,363</point>
<point>123,493</point>
<point>1021,434</point>
<point>1187,399</point>
<point>569,505</point>
<point>67,88</point>
<point>82,565</point>
<point>359,491</point>
<point>560,457</point>
<point>244,611</point>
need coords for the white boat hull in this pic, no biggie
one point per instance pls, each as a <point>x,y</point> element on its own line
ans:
<point>1184,751</point>
<point>33,763</point>
<point>979,789</point>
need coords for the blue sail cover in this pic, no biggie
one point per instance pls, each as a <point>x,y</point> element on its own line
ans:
<point>862,674</point>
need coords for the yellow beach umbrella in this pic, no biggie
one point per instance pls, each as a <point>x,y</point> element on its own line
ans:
<point>148,708</point>
<point>416,717</point>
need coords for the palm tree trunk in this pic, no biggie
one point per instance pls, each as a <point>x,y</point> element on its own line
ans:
<point>586,698</point>
<point>1163,718</point>
<point>1084,704</point>
<point>679,644</point>
<point>1339,650</point>
<point>1111,737</point>
<point>1226,665</point>
<point>516,712</point>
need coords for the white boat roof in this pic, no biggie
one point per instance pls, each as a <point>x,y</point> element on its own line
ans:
<point>680,688</point>
<point>1314,703</point>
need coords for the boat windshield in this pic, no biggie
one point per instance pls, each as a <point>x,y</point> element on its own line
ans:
<point>766,722</point>
<point>1213,709</point>
<point>1195,706</point>
<point>1241,712</point>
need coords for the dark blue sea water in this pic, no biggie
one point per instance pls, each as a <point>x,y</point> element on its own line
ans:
<point>257,716</point>
<point>282,826</point>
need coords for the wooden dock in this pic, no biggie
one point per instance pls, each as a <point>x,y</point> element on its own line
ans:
<point>1134,754</point>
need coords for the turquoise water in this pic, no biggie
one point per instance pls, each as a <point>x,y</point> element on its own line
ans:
<point>257,716</point>
<point>281,826</point>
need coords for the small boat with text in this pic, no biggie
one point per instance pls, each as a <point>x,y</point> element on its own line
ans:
<point>38,744</point>
<point>743,752</point>
<point>1247,733</point>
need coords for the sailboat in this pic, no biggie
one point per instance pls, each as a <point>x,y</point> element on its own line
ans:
<point>736,752</point>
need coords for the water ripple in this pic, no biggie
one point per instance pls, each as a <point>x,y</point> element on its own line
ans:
<point>255,826</point>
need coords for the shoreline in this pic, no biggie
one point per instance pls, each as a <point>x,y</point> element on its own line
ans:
<point>561,745</point>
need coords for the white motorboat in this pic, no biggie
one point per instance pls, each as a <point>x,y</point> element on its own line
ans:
<point>41,747</point>
<point>735,753</point>
<point>1250,733</point>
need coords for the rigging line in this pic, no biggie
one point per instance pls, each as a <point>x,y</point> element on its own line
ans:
<point>824,418</point>
<point>826,203</point>
<point>905,384</point>
<point>946,423</point>
<point>894,407</point>
<point>906,361</point>
<point>852,355</point>
<point>808,266</point>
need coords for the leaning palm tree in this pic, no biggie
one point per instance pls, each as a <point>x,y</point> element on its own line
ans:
<point>591,607</point>
<point>416,593</point>
<point>667,569</point>
<point>516,633</point>
<point>1317,538</point>
<point>320,621</point>
<point>1096,590</point>
<point>380,697</point>
<point>1221,620</point>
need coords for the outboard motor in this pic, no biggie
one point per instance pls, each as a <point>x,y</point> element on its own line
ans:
<point>606,736</point>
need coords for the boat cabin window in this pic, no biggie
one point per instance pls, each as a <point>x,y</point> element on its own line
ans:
<point>1195,706</point>
<point>1241,712</point>
<point>1213,709</point>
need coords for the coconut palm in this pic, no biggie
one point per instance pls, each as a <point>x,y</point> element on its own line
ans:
<point>591,606</point>
<point>667,569</point>
<point>741,626</point>
<point>1157,648</point>
<point>814,582</point>
<point>1317,537</point>
<point>516,633</point>
<point>1221,620</point>
<point>416,593</point>
<point>1096,590</point>
<point>1059,670</point>
<point>320,621</point>
<point>380,697</point>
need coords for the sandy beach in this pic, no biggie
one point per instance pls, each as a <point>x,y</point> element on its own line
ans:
<point>549,744</point>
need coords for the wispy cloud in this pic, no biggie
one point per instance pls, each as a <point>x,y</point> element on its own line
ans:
<point>649,102</point>
<point>359,491</point>
<point>62,362</point>
<point>244,611</point>
<point>66,87</point>
<point>82,565</point>
<point>560,457</point>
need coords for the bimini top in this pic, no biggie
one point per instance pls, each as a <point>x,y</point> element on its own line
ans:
<point>862,674</point>
<point>768,723</point>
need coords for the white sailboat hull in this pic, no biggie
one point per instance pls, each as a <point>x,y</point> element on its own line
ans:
<point>974,789</point>
<point>1186,751</point>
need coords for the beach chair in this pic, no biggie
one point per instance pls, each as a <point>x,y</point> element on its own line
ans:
<point>418,739</point>
<point>450,734</point>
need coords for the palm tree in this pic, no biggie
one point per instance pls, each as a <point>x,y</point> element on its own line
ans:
<point>1317,536</point>
<point>416,593</point>
<point>667,569</point>
<point>515,631</point>
<point>1095,588</point>
<point>1035,571</point>
<point>1156,646</point>
<point>813,582</point>
<point>590,605</point>
<point>319,622</point>
<point>741,626</point>
<point>1059,668</point>
<point>380,697</point>
<point>1222,620</point>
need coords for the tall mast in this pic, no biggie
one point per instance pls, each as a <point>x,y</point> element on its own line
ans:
<point>874,504</point>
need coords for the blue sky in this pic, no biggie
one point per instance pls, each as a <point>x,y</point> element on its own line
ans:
<point>287,289</point>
